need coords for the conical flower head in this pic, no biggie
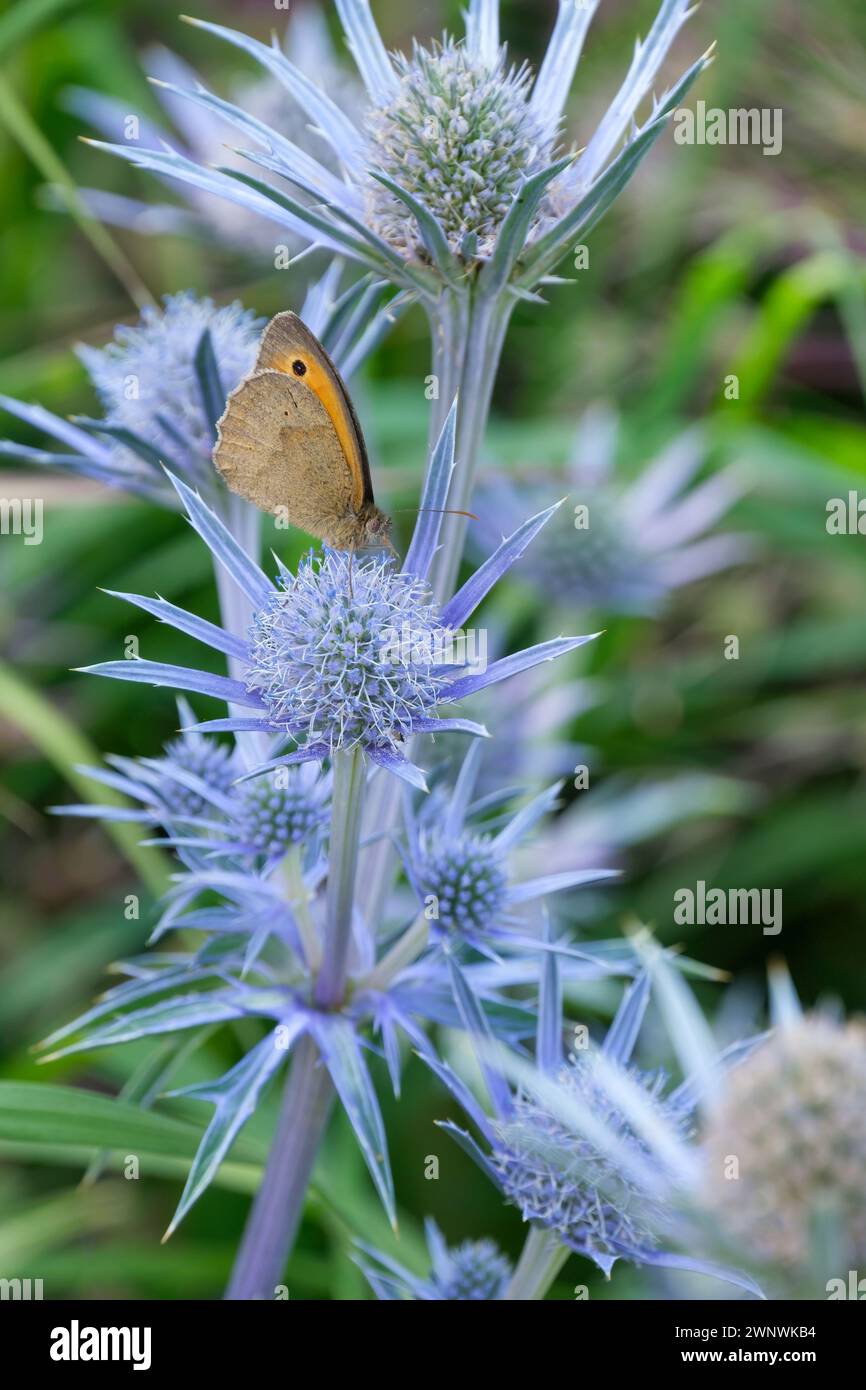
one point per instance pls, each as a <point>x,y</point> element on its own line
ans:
<point>467,877</point>
<point>276,811</point>
<point>147,380</point>
<point>473,1271</point>
<point>344,652</point>
<point>563,1181</point>
<point>460,136</point>
<point>213,762</point>
<point>788,1141</point>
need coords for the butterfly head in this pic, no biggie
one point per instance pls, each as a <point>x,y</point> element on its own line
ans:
<point>376,525</point>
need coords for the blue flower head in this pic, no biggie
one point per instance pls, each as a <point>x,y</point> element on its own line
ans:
<point>148,383</point>
<point>588,1147</point>
<point>459,864</point>
<point>323,655</point>
<point>347,652</point>
<point>564,1182</point>
<point>474,1271</point>
<point>193,793</point>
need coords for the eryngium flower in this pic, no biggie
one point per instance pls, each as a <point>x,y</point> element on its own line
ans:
<point>460,870</point>
<point>310,669</point>
<point>793,1117</point>
<point>471,1272</point>
<point>148,384</point>
<point>467,877</point>
<point>621,545</point>
<point>460,135</point>
<point>321,660</point>
<point>193,794</point>
<point>565,1183</point>
<point>460,139</point>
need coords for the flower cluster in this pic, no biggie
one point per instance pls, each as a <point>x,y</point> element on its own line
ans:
<point>793,1120</point>
<point>460,135</point>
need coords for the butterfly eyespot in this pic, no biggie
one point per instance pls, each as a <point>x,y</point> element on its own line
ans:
<point>299,368</point>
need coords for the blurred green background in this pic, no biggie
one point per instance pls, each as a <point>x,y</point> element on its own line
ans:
<point>715,261</point>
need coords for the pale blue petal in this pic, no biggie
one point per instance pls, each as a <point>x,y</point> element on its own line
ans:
<point>553,83</point>
<point>434,499</point>
<point>200,628</point>
<point>482,30</point>
<point>223,546</point>
<point>345,140</point>
<point>513,665</point>
<point>368,50</point>
<point>176,678</point>
<point>557,883</point>
<point>467,599</point>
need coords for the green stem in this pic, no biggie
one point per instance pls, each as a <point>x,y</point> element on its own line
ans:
<point>540,1261</point>
<point>347,802</point>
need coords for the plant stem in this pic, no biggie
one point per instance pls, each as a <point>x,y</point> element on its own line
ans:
<point>347,802</point>
<point>540,1261</point>
<point>467,336</point>
<point>478,357</point>
<point>245,523</point>
<point>278,1204</point>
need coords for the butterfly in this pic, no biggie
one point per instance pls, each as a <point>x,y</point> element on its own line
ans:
<point>290,442</point>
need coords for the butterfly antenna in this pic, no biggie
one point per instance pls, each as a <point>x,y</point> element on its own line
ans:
<point>443,511</point>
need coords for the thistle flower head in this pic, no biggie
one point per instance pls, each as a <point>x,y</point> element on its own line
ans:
<point>561,1180</point>
<point>213,762</point>
<point>460,136</point>
<point>328,656</point>
<point>274,815</point>
<point>625,544</point>
<point>147,381</point>
<point>467,876</point>
<point>793,1114</point>
<point>470,1272</point>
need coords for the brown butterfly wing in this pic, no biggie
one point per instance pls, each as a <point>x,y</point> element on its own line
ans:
<point>285,339</point>
<point>276,446</point>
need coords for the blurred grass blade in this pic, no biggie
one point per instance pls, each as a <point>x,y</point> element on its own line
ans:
<point>65,747</point>
<point>19,22</point>
<point>22,129</point>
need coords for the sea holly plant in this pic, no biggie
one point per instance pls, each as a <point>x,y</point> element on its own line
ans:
<point>200,135</point>
<point>331,704</point>
<point>598,1154</point>
<point>458,182</point>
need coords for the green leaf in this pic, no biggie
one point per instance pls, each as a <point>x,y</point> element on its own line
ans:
<point>66,748</point>
<point>46,1117</point>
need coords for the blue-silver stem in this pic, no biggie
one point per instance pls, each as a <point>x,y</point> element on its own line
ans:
<point>540,1261</point>
<point>347,802</point>
<point>467,335</point>
<point>279,1203</point>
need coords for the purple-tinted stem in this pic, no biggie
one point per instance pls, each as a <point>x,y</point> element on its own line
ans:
<point>279,1202</point>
